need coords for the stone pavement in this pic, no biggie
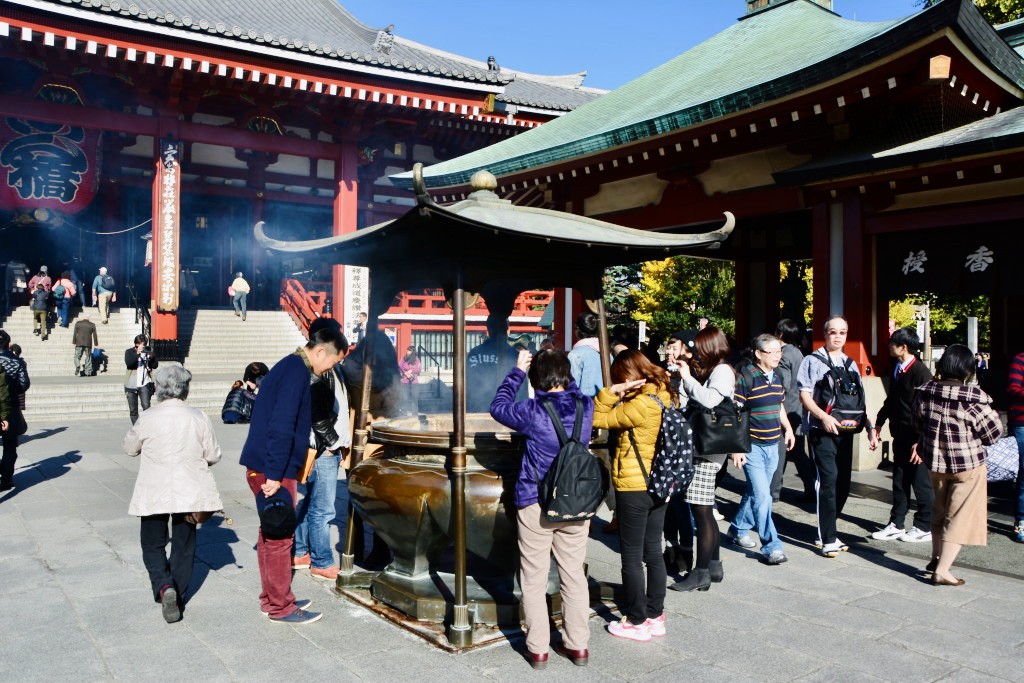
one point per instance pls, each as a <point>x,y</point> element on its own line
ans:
<point>75,602</point>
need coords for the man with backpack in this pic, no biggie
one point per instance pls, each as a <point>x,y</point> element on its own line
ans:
<point>103,293</point>
<point>832,394</point>
<point>759,389</point>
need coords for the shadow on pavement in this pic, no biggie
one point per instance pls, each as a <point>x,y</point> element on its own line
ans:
<point>50,468</point>
<point>214,539</point>
<point>42,434</point>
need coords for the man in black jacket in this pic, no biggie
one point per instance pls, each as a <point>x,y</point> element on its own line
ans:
<point>907,472</point>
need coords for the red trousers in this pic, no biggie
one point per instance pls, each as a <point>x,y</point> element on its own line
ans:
<point>275,558</point>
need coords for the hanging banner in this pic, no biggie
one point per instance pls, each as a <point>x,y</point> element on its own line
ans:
<point>48,165</point>
<point>357,296</point>
<point>166,228</point>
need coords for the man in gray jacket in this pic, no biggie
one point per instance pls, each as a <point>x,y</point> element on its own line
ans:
<point>84,338</point>
<point>790,334</point>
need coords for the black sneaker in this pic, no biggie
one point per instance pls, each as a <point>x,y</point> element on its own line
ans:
<point>298,618</point>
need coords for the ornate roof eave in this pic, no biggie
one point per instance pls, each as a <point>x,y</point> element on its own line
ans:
<point>998,135</point>
<point>491,83</point>
<point>487,238</point>
<point>958,16</point>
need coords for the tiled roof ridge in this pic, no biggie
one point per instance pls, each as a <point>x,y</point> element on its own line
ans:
<point>131,10</point>
<point>609,121</point>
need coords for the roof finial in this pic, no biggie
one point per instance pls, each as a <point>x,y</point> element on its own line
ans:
<point>483,180</point>
<point>492,64</point>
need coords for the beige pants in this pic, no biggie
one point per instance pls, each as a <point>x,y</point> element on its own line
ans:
<point>39,322</point>
<point>104,304</point>
<point>538,539</point>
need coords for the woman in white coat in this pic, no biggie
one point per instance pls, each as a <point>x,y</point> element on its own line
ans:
<point>178,446</point>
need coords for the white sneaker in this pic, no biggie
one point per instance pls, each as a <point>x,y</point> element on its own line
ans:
<point>890,533</point>
<point>833,549</point>
<point>718,515</point>
<point>656,626</point>
<point>624,629</point>
<point>915,535</point>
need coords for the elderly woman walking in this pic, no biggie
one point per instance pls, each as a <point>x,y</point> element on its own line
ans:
<point>955,422</point>
<point>178,446</point>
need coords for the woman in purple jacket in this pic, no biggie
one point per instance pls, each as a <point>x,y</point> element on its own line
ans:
<point>551,379</point>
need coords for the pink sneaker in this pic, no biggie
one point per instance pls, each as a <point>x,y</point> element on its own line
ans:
<point>325,574</point>
<point>624,629</point>
<point>301,562</point>
<point>656,626</point>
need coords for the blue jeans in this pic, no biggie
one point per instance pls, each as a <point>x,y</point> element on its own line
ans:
<point>1018,433</point>
<point>238,301</point>
<point>756,506</point>
<point>316,510</point>
<point>65,311</point>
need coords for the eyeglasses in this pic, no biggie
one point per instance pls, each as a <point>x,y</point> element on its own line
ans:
<point>771,352</point>
<point>841,333</point>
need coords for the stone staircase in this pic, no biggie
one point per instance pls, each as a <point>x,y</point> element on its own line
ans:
<point>217,347</point>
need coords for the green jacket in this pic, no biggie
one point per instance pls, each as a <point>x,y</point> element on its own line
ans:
<point>6,407</point>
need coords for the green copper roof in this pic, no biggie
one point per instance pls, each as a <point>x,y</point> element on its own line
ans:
<point>768,55</point>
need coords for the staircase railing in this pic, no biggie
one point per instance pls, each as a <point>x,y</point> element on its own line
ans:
<point>302,305</point>
<point>142,315</point>
<point>421,352</point>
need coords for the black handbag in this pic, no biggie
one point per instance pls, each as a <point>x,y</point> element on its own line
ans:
<point>722,429</point>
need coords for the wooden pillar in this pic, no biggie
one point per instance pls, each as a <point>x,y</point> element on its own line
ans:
<point>820,264</point>
<point>741,301</point>
<point>857,302</point>
<point>346,204</point>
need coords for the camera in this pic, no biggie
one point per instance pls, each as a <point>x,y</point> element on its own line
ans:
<point>146,350</point>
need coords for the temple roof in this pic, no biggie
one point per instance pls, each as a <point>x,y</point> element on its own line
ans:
<point>765,57</point>
<point>488,239</point>
<point>324,29</point>
<point>999,133</point>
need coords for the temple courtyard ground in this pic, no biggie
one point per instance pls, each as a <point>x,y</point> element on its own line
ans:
<point>75,603</point>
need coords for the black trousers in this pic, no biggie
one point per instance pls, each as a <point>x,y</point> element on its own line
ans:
<point>641,522</point>
<point>135,397</point>
<point>907,477</point>
<point>176,571</point>
<point>833,458</point>
<point>10,456</point>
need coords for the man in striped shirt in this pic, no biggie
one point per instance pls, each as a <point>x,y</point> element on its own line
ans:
<point>760,391</point>
<point>1015,393</point>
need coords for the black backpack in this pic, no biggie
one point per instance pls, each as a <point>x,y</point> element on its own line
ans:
<point>672,468</point>
<point>107,282</point>
<point>840,393</point>
<point>573,487</point>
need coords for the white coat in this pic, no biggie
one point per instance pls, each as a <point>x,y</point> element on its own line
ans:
<point>178,446</point>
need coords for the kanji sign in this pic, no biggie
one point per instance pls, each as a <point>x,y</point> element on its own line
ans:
<point>166,229</point>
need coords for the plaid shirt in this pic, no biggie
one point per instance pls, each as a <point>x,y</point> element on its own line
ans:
<point>955,423</point>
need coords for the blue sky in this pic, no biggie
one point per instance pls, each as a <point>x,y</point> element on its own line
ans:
<point>613,40</point>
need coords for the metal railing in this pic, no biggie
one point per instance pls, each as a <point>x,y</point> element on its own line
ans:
<point>302,305</point>
<point>142,315</point>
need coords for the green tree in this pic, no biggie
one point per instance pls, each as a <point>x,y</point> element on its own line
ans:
<point>949,313</point>
<point>619,301</point>
<point>674,293</point>
<point>994,11</point>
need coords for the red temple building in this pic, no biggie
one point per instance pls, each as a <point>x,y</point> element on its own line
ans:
<point>187,121</point>
<point>889,154</point>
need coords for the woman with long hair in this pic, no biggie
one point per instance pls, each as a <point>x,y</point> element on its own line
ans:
<point>633,404</point>
<point>709,381</point>
<point>955,422</point>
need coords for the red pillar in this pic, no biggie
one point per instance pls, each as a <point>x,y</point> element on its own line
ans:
<point>166,244</point>
<point>346,205</point>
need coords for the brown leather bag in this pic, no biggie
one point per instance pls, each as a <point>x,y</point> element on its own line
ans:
<point>307,467</point>
<point>198,517</point>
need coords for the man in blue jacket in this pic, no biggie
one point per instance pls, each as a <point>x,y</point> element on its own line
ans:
<point>273,453</point>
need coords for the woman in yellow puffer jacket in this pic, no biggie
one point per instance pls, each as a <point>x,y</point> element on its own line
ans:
<point>629,406</point>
